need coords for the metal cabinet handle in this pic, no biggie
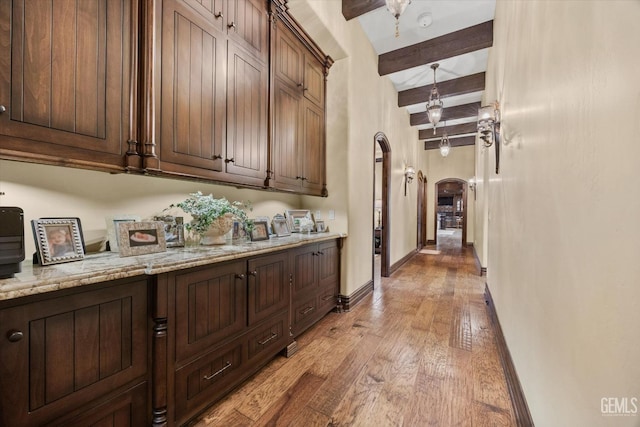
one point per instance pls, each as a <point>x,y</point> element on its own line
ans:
<point>306,310</point>
<point>14,335</point>
<point>2,109</point>
<point>226,366</point>
<point>327,298</point>
<point>231,160</point>
<point>216,156</point>
<point>272,337</point>
<point>320,253</point>
<point>240,276</point>
<point>253,273</point>
<point>218,15</point>
<point>232,25</point>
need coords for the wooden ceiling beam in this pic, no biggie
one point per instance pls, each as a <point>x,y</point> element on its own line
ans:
<point>447,88</point>
<point>354,8</point>
<point>454,142</point>
<point>461,129</point>
<point>448,113</point>
<point>447,46</point>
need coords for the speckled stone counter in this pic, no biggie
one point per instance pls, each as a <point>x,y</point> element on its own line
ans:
<point>107,266</point>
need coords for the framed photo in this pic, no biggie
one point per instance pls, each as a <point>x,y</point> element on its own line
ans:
<point>267,220</point>
<point>58,240</point>
<point>295,216</point>
<point>238,231</point>
<point>140,238</point>
<point>320,227</point>
<point>281,227</point>
<point>112,228</point>
<point>260,231</point>
<point>173,230</point>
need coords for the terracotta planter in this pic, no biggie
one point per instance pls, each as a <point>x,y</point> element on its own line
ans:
<point>217,230</point>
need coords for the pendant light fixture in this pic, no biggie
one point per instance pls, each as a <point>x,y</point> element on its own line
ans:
<point>435,105</point>
<point>396,7</point>
<point>445,145</point>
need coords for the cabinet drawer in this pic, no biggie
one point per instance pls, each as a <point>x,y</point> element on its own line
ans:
<point>327,298</point>
<point>74,349</point>
<point>206,379</point>
<point>267,340</point>
<point>304,314</point>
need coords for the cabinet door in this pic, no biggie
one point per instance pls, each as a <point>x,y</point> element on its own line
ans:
<point>246,157</point>
<point>66,80</point>
<point>192,117</point>
<point>305,264</point>
<point>210,306</point>
<point>328,264</point>
<point>288,57</point>
<point>268,282</point>
<point>314,83</point>
<point>287,137</point>
<point>247,25</point>
<point>313,159</point>
<point>73,350</point>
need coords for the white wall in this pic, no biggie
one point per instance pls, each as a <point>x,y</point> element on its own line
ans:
<point>563,230</point>
<point>458,164</point>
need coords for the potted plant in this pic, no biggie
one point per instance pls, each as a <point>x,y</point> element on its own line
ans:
<point>213,218</point>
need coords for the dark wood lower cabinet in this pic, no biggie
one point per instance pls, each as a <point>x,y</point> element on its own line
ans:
<point>157,350</point>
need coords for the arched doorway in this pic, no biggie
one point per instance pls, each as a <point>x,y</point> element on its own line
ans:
<point>422,210</point>
<point>450,207</point>
<point>383,149</point>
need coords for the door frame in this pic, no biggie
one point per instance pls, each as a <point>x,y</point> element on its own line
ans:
<point>465,208</point>
<point>422,211</point>
<point>381,139</point>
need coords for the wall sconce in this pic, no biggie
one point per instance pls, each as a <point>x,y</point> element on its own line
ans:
<point>489,128</point>
<point>472,186</point>
<point>409,174</point>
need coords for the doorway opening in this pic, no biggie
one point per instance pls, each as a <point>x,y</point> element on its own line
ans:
<point>450,212</point>
<point>381,185</point>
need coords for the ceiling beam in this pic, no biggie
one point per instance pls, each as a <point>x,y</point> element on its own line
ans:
<point>447,88</point>
<point>448,113</point>
<point>354,8</point>
<point>454,142</point>
<point>447,46</point>
<point>461,129</point>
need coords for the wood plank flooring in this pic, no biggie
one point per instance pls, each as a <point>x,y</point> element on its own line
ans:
<point>418,351</point>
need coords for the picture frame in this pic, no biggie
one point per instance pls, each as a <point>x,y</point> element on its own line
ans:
<point>267,220</point>
<point>112,228</point>
<point>260,231</point>
<point>281,227</point>
<point>320,226</point>
<point>141,238</point>
<point>173,230</point>
<point>293,215</point>
<point>58,240</point>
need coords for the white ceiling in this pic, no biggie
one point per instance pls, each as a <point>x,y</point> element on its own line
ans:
<point>447,16</point>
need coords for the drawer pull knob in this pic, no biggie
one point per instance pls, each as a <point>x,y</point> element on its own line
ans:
<point>320,253</point>
<point>253,273</point>
<point>240,276</point>
<point>272,337</point>
<point>14,336</point>
<point>231,160</point>
<point>216,157</point>
<point>306,310</point>
<point>218,15</point>
<point>232,25</point>
<point>224,368</point>
<point>2,109</point>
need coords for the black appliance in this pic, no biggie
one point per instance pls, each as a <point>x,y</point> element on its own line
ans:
<point>11,241</point>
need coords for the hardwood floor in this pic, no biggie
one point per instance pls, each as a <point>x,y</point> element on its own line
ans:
<point>418,351</point>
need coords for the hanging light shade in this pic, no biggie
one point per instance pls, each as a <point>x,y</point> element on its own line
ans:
<point>396,7</point>
<point>435,105</point>
<point>445,145</point>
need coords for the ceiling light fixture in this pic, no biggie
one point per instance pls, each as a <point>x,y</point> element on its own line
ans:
<point>435,105</point>
<point>396,7</point>
<point>445,145</point>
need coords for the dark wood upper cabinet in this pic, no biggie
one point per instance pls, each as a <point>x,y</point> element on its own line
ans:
<point>298,69</point>
<point>213,85</point>
<point>68,85</point>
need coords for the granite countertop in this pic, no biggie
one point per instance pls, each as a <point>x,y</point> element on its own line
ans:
<point>105,266</point>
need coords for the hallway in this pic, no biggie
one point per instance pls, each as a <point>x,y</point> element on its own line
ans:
<point>418,351</point>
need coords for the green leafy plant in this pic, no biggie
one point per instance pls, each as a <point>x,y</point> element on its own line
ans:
<point>206,209</point>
